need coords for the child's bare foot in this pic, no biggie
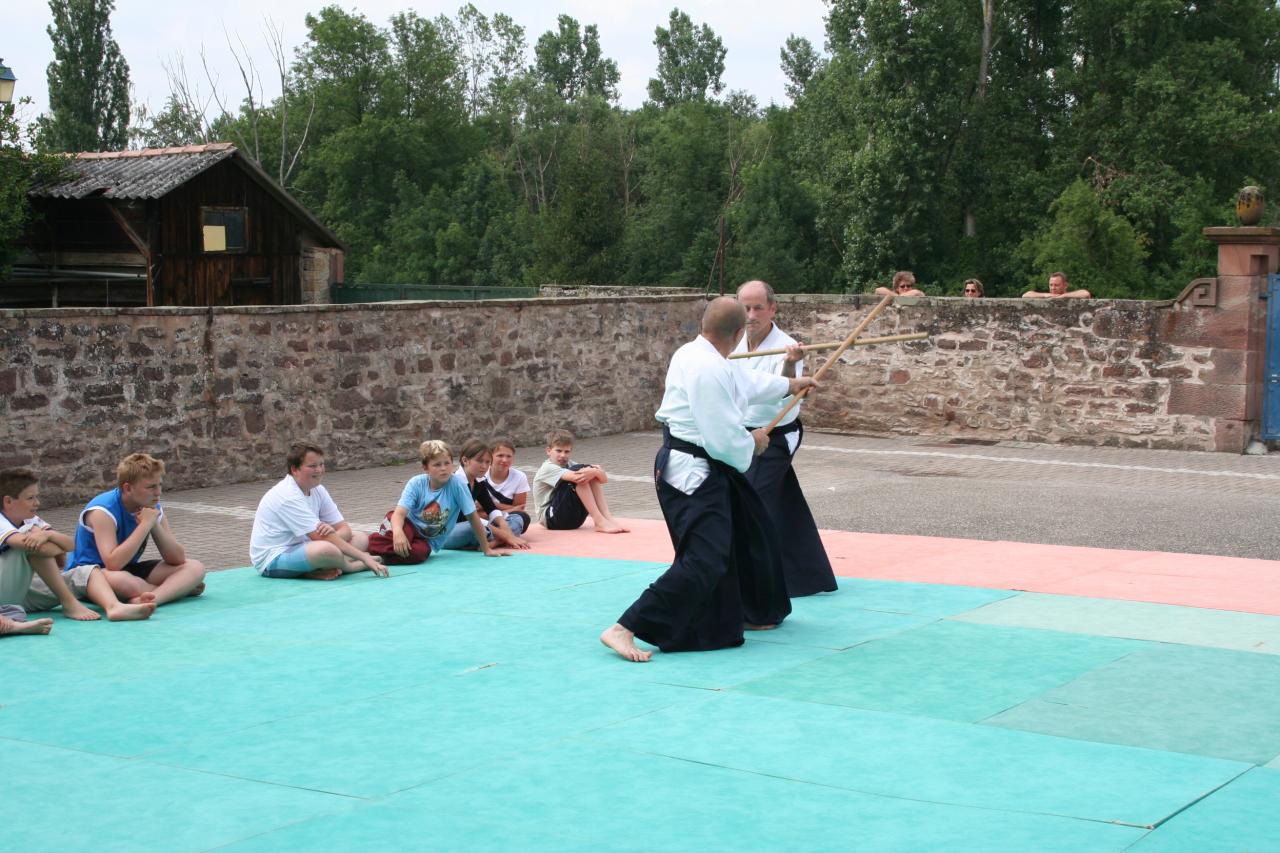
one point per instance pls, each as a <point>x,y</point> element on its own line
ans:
<point>143,598</point>
<point>197,591</point>
<point>13,627</point>
<point>751,627</point>
<point>81,613</point>
<point>131,612</point>
<point>322,574</point>
<point>623,642</point>
<point>616,523</point>
<point>610,527</point>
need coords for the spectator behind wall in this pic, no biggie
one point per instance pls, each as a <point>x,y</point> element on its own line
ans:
<point>904,284</point>
<point>973,289</point>
<point>1058,289</point>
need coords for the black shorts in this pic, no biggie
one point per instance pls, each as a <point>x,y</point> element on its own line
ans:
<point>142,568</point>
<point>565,510</point>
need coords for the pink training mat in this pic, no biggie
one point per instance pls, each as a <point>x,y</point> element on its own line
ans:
<point>1191,580</point>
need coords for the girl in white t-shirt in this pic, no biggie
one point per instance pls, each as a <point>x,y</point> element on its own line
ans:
<point>508,486</point>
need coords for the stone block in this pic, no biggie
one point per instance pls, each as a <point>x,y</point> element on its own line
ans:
<point>1204,327</point>
<point>1218,401</point>
<point>1230,436</point>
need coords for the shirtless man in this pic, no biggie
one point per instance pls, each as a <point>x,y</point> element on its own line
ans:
<point>1058,285</point>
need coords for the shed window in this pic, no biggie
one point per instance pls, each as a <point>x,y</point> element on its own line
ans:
<point>223,229</point>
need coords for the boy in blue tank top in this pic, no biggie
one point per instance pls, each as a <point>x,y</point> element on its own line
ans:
<point>113,531</point>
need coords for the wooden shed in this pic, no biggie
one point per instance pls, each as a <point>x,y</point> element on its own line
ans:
<point>196,225</point>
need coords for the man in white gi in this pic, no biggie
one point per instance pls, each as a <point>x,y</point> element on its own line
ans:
<point>804,561</point>
<point>726,575</point>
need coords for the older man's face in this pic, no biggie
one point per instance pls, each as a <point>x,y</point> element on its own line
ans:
<point>759,310</point>
<point>1057,285</point>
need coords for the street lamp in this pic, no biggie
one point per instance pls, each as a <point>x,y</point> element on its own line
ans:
<point>6,83</point>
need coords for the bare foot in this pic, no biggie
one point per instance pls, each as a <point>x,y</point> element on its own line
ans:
<point>610,528</point>
<point>197,591</point>
<point>322,574</point>
<point>14,627</point>
<point>131,612</point>
<point>615,523</point>
<point>143,598</point>
<point>623,642</point>
<point>81,613</point>
<point>751,627</point>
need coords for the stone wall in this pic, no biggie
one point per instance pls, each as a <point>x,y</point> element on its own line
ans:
<point>1116,373</point>
<point>220,393</point>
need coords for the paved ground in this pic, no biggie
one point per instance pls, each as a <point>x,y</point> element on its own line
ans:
<point>1203,503</point>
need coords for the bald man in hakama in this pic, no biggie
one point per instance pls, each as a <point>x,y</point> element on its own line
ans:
<point>727,576</point>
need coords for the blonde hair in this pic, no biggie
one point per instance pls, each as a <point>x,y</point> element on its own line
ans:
<point>136,467</point>
<point>431,449</point>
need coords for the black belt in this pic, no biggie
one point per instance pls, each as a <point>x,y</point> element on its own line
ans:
<point>782,430</point>
<point>670,442</point>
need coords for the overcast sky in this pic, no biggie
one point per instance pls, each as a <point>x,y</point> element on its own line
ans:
<point>151,33</point>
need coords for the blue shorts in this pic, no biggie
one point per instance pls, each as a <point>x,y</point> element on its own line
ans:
<point>290,564</point>
<point>462,537</point>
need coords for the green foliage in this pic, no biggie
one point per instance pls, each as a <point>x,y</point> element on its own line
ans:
<point>20,170</point>
<point>570,62</point>
<point>88,80</point>
<point>1098,248</point>
<point>1098,136</point>
<point>690,62</point>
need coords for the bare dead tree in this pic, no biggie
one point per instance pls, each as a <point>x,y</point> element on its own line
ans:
<point>275,41</point>
<point>254,109</point>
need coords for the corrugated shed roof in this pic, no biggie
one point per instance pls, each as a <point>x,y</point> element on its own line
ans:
<point>154,172</point>
<point>148,173</point>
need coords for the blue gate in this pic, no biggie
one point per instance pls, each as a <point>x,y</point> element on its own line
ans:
<point>1271,387</point>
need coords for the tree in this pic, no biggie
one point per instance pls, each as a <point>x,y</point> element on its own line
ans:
<point>490,53</point>
<point>1097,248</point>
<point>569,60</point>
<point>88,80</point>
<point>20,170</point>
<point>690,62</point>
<point>800,62</point>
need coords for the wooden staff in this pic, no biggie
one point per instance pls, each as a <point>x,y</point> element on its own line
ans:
<point>861,342</point>
<point>848,342</point>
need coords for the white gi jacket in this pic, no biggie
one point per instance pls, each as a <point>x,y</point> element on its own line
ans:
<point>705,403</point>
<point>762,414</point>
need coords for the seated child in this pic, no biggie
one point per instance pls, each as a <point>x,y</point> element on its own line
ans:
<point>431,501</point>
<point>507,486</point>
<point>113,532</point>
<point>565,492</point>
<point>298,531</point>
<point>501,529</point>
<point>27,545</point>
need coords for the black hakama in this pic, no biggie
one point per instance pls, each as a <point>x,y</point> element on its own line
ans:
<point>726,571</point>
<point>804,560</point>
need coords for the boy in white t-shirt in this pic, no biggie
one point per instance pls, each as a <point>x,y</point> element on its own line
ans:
<point>28,545</point>
<point>298,531</point>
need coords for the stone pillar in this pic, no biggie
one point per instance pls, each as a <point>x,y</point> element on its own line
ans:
<point>320,267</point>
<point>1232,318</point>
